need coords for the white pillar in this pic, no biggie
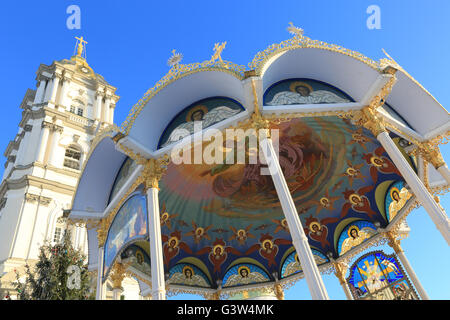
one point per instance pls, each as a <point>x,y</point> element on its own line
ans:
<point>299,239</point>
<point>117,292</point>
<point>106,109</point>
<point>65,87</point>
<point>156,254</point>
<point>111,114</point>
<point>436,214</point>
<point>54,91</point>
<point>98,106</point>
<point>48,90</point>
<point>40,92</point>
<point>443,170</point>
<point>43,139</point>
<point>21,153</point>
<point>412,275</point>
<point>54,154</point>
<point>100,286</point>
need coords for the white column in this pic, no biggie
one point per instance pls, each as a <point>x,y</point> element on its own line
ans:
<point>98,106</point>
<point>54,152</point>
<point>106,109</point>
<point>99,294</point>
<point>436,214</point>
<point>412,275</point>
<point>48,90</point>
<point>111,114</point>
<point>40,92</point>
<point>65,86</point>
<point>117,292</point>
<point>299,239</point>
<point>54,91</point>
<point>43,139</point>
<point>23,144</point>
<point>156,254</point>
<point>443,170</point>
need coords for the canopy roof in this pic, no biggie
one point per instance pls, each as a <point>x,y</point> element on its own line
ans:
<point>223,222</point>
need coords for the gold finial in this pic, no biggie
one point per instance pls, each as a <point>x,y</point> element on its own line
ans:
<point>80,48</point>
<point>218,48</point>
<point>297,32</point>
<point>175,59</point>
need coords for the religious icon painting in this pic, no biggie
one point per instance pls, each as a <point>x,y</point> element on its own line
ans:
<point>198,116</point>
<point>291,264</point>
<point>137,258</point>
<point>354,234</point>
<point>129,224</point>
<point>377,276</point>
<point>303,91</point>
<point>396,198</point>
<point>189,275</point>
<point>243,274</point>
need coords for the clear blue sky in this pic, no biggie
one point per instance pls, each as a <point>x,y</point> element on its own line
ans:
<point>130,42</point>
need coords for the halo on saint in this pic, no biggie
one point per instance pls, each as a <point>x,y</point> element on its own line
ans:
<point>176,240</point>
<point>314,223</point>
<point>354,195</point>
<point>324,201</point>
<point>394,189</point>
<point>202,231</point>
<point>296,85</point>
<point>372,160</point>
<point>263,244</point>
<point>195,110</point>
<point>349,231</point>
<point>244,268</point>
<point>139,256</point>
<point>218,246</point>
<point>185,268</point>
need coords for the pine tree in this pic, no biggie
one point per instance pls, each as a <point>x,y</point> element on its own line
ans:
<point>60,274</point>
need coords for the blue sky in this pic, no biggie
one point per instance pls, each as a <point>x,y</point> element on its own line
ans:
<point>129,43</point>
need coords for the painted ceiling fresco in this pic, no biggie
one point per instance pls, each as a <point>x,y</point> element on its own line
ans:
<point>338,175</point>
<point>222,224</point>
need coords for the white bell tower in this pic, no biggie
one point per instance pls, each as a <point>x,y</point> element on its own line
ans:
<point>59,120</point>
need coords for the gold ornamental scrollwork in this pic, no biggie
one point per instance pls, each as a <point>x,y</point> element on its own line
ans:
<point>117,274</point>
<point>393,241</point>
<point>340,271</point>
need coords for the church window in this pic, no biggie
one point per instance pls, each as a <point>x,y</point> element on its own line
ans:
<point>72,157</point>
<point>57,235</point>
<point>80,112</point>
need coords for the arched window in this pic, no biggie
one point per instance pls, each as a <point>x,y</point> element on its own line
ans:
<point>59,230</point>
<point>72,157</point>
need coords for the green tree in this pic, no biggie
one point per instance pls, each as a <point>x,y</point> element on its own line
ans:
<point>60,274</point>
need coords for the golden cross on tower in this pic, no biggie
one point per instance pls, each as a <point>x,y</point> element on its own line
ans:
<point>80,48</point>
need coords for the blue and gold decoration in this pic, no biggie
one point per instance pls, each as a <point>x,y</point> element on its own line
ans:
<point>377,276</point>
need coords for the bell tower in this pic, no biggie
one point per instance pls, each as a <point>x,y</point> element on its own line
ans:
<point>44,160</point>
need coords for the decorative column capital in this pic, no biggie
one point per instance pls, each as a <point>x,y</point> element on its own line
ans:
<point>278,289</point>
<point>393,241</point>
<point>102,231</point>
<point>340,271</point>
<point>117,274</point>
<point>46,124</point>
<point>431,153</point>
<point>153,171</point>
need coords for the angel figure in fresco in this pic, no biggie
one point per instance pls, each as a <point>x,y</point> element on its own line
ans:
<point>399,199</point>
<point>325,202</point>
<point>200,117</point>
<point>281,225</point>
<point>218,253</point>
<point>244,276</point>
<point>356,237</point>
<point>241,235</point>
<point>379,164</point>
<point>358,202</point>
<point>166,218</point>
<point>268,248</point>
<point>318,231</point>
<point>188,277</point>
<point>303,93</point>
<point>173,245</point>
<point>293,267</point>
<point>198,233</point>
<point>353,172</point>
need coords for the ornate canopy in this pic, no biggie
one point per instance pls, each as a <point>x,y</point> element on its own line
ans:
<point>222,224</point>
